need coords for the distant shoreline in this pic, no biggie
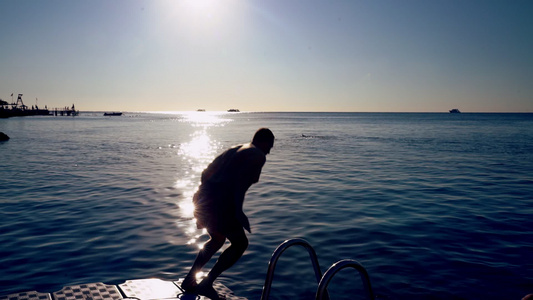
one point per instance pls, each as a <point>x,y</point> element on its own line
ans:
<point>319,112</point>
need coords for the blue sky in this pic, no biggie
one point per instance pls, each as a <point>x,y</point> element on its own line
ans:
<point>269,55</point>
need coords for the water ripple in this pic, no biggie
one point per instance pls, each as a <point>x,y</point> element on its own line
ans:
<point>433,207</point>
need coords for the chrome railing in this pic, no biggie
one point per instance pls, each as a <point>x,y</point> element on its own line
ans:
<point>322,293</point>
<point>274,259</point>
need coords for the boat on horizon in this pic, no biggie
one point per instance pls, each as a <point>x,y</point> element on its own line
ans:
<point>233,110</point>
<point>455,111</point>
<point>113,114</point>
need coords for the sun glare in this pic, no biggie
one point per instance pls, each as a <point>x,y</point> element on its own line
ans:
<point>204,118</point>
<point>196,153</point>
<point>209,20</point>
<point>201,5</point>
<point>200,275</point>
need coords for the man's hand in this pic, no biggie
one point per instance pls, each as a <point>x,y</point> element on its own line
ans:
<point>244,221</point>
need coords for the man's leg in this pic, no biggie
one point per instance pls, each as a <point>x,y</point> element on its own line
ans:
<point>204,255</point>
<point>239,243</point>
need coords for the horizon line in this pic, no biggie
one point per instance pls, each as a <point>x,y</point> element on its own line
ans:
<point>291,111</point>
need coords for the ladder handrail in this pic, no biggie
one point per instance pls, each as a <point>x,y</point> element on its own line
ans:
<point>274,259</point>
<point>321,292</point>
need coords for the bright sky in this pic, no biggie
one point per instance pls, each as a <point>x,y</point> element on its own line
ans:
<point>269,55</point>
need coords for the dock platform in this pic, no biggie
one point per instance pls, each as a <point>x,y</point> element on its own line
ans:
<point>139,289</point>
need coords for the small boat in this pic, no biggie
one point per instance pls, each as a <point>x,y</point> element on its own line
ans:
<point>233,110</point>
<point>455,111</point>
<point>113,114</point>
<point>200,109</point>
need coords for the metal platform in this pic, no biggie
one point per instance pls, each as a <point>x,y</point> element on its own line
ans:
<point>157,289</point>
<point>139,289</point>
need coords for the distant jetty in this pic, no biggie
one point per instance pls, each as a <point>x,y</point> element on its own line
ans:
<point>19,109</point>
<point>66,111</point>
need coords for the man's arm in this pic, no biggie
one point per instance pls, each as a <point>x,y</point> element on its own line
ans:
<point>250,171</point>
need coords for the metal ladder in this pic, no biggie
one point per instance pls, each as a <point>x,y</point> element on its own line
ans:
<point>323,281</point>
<point>322,292</point>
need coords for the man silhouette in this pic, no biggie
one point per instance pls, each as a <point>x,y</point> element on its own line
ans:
<point>218,208</point>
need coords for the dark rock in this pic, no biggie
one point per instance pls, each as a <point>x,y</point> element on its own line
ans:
<point>3,137</point>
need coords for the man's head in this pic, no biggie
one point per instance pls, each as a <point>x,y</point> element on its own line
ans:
<point>264,140</point>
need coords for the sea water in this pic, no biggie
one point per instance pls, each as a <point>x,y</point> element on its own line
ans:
<point>434,206</point>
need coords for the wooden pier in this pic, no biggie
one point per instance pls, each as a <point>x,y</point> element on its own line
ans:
<point>65,111</point>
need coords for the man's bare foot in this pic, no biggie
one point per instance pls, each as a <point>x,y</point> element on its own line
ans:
<point>207,290</point>
<point>189,285</point>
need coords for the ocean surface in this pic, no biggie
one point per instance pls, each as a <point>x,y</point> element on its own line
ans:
<point>433,205</point>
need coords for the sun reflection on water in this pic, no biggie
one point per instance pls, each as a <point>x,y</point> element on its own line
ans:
<point>197,153</point>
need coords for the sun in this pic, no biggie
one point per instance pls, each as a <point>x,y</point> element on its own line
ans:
<point>201,5</point>
<point>203,19</point>
<point>199,10</point>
